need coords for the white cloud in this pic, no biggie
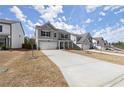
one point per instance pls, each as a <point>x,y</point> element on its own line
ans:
<point>60,20</point>
<point>49,13</point>
<point>112,35</point>
<point>70,28</point>
<point>122,20</point>
<point>32,25</point>
<point>106,8</point>
<point>64,19</point>
<point>39,8</point>
<point>120,11</point>
<point>100,19</point>
<point>111,7</point>
<point>88,21</point>
<point>40,21</point>
<point>102,13</point>
<point>19,14</point>
<point>91,8</point>
<point>115,7</point>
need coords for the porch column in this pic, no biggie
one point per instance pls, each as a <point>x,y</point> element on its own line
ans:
<point>72,44</point>
<point>59,44</point>
<point>68,44</point>
<point>9,45</point>
<point>63,45</point>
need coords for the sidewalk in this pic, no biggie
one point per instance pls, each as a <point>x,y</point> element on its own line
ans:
<point>109,53</point>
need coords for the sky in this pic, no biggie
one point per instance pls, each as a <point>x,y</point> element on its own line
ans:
<point>98,20</point>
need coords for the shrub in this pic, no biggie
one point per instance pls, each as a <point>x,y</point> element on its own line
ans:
<point>3,47</point>
<point>28,46</point>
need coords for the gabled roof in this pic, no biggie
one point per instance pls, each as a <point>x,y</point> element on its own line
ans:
<point>8,21</point>
<point>62,31</point>
<point>83,37</point>
<point>98,38</point>
<point>49,26</point>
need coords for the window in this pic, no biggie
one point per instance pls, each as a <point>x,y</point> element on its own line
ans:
<point>43,33</point>
<point>97,42</point>
<point>54,34</point>
<point>66,36</point>
<point>0,28</point>
<point>47,34</point>
<point>62,35</point>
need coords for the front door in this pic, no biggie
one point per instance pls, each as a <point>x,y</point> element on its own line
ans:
<point>61,45</point>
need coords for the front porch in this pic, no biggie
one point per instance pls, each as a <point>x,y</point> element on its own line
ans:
<point>65,44</point>
<point>4,41</point>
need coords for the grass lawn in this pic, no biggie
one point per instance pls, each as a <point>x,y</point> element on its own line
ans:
<point>24,71</point>
<point>106,57</point>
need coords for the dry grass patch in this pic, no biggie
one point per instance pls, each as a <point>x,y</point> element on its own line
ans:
<point>25,71</point>
<point>109,58</point>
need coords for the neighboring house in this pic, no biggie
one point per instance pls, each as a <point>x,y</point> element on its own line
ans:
<point>99,43</point>
<point>11,33</point>
<point>49,37</point>
<point>82,41</point>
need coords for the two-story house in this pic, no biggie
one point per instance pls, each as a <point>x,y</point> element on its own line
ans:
<point>99,43</point>
<point>11,33</point>
<point>49,37</point>
<point>82,41</point>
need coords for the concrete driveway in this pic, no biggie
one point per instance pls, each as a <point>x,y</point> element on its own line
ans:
<point>81,71</point>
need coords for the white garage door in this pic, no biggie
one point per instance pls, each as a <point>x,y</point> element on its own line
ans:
<point>48,45</point>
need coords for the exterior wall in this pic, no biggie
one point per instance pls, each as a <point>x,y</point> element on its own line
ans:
<point>83,46</point>
<point>48,45</point>
<point>86,46</point>
<point>17,35</point>
<point>100,46</point>
<point>73,38</point>
<point>44,40</point>
<point>36,33</point>
<point>94,43</point>
<point>5,29</point>
<point>79,45</point>
<point>45,37</point>
<point>64,33</point>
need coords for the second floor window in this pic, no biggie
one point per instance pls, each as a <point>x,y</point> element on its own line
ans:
<point>54,34</point>
<point>47,34</point>
<point>97,42</point>
<point>62,35</point>
<point>0,28</point>
<point>66,36</point>
<point>43,33</point>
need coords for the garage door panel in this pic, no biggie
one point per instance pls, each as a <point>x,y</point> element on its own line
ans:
<point>48,45</point>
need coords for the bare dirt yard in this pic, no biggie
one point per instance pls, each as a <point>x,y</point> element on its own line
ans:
<point>109,58</point>
<point>23,71</point>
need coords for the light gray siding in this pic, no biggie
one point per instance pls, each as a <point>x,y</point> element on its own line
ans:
<point>13,33</point>
<point>17,36</point>
<point>5,29</point>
